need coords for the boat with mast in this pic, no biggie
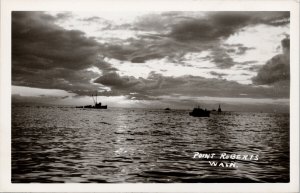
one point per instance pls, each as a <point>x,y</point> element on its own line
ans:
<point>96,104</point>
<point>199,112</point>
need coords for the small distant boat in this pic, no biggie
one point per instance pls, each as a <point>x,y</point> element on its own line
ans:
<point>99,106</point>
<point>96,104</point>
<point>219,109</point>
<point>167,109</point>
<point>199,112</point>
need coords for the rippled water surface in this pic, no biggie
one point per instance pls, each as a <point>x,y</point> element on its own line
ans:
<point>60,144</point>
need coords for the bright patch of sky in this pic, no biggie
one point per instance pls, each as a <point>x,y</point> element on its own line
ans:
<point>253,37</point>
<point>29,91</point>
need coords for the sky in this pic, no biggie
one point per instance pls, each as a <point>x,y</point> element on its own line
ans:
<point>152,59</point>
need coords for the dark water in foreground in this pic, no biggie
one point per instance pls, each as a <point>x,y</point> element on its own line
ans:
<point>51,144</point>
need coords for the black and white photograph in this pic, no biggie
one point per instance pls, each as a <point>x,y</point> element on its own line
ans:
<point>150,96</point>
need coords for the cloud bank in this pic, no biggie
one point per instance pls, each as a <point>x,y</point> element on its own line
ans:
<point>277,69</point>
<point>46,55</point>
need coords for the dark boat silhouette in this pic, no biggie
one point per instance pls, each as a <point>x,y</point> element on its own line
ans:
<point>96,104</point>
<point>219,109</point>
<point>167,109</point>
<point>199,112</point>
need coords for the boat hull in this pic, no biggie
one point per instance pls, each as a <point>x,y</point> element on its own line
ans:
<point>102,107</point>
<point>204,114</point>
<point>92,107</point>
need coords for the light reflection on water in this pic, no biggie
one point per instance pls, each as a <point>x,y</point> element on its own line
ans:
<point>51,144</point>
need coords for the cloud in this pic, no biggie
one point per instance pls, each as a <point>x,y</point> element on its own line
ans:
<point>45,55</point>
<point>207,29</point>
<point>63,16</point>
<point>120,52</point>
<point>242,50</point>
<point>153,22</point>
<point>156,85</point>
<point>92,19</point>
<point>219,75</point>
<point>35,38</point>
<point>276,69</point>
<point>221,58</point>
<point>218,25</point>
<point>163,22</point>
<point>102,24</point>
<point>171,34</point>
<point>238,49</point>
<point>142,50</point>
<point>114,80</point>
<point>279,18</point>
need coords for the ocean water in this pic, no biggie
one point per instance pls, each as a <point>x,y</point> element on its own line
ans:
<point>63,144</point>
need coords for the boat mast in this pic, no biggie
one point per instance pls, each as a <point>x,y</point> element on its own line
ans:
<point>96,98</point>
<point>93,99</point>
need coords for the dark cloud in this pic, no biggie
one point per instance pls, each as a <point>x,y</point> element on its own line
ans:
<point>285,43</point>
<point>274,18</point>
<point>242,50</point>
<point>217,25</point>
<point>64,16</point>
<point>141,58</point>
<point>173,33</point>
<point>254,68</point>
<point>114,80</point>
<point>219,75</point>
<point>141,50</point>
<point>221,58</point>
<point>214,26</point>
<point>121,52</point>
<point>128,84</point>
<point>238,49</point>
<point>276,69</point>
<point>45,55</point>
<point>156,85</point>
<point>36,39</point>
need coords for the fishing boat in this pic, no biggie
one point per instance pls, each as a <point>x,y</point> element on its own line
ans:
<point>99,106</point>
<point>199,112</point>
<point>96,104</point>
